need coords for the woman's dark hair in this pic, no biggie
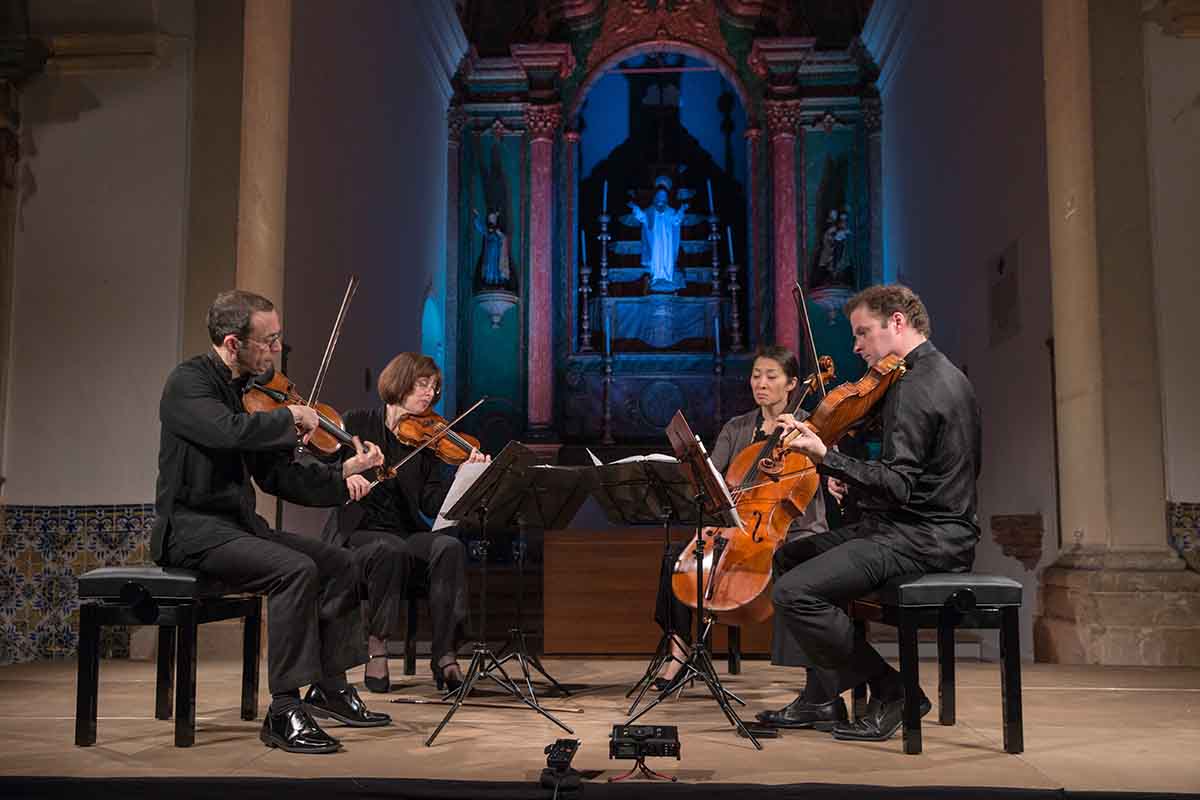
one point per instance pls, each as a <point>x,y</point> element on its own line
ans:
<point>785,358</point>
<point>402,373</point>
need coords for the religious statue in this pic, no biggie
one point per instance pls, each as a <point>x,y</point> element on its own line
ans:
<point>660,238</point>
<point>834,264</point>
<point>494,271</point>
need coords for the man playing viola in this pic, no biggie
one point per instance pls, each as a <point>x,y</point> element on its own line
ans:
<point>209,450</point>
<point>917,505</point>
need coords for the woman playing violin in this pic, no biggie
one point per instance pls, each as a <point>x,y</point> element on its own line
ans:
<point>774,379</point>
<point>396,514</point>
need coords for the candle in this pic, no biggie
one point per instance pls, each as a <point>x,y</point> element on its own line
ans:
<point>606,197</point>
<point>711,210</point>
<point>608,333</point>
<point>717,334</point>
<point>728,240</point>
<point>583,245</point>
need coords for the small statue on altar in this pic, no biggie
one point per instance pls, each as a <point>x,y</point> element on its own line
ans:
<point>834,264</point>
<point>494,271</point>
<point>660,237</point>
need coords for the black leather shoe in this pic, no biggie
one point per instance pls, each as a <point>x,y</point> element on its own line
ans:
<point>879,723</point>
<point>379,684</point>
<point>294,731</point>
<point>801,714</point>
<point>345,706</point>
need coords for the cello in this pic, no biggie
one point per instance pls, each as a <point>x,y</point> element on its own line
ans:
<point>771,486</point>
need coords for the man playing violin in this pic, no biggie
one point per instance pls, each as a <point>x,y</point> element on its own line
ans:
<point>774,379</point>
<point>210,448</point>
<point>917,505</point>
<point>396,514</point>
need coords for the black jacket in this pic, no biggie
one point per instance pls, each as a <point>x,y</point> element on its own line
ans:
<point>208,451</point>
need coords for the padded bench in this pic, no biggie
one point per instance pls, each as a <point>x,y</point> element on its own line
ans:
<point>178,601</point>
<point>945,601</point>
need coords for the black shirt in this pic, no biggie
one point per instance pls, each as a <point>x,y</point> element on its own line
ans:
<point>919,497</point>
<point>209,448</point>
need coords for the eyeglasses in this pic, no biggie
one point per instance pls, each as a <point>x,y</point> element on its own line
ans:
<point>423,384</point>
<point>268,343</point>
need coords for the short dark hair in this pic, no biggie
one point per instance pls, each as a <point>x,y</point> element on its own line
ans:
<point>401,374</point>
<point>230,314</point>
<point>887,299</point>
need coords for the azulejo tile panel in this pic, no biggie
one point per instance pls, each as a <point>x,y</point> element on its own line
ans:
<point>43,551</point>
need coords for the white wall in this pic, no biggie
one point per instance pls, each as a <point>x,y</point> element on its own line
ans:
<point>98,261</point>
<point>1173,118</point>
<point>964,169</point>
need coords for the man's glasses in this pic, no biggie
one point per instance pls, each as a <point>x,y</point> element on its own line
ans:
<point>269,342</point>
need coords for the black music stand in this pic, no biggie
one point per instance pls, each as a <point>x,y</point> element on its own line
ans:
<point>649,491</point>
<point>713,506</point>
<point>498,493</point>
<point>551,498</point>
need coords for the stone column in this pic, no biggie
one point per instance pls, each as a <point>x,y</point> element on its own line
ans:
<point>542,122</point>
<point>873,121</point>
<point>783,120</point>
<point>1117,594</point>
<point>571,226</point>
<point>456,122</point>
<point>262,198</point>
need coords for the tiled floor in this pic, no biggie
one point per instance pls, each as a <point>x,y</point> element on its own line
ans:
<point>1086,728</point>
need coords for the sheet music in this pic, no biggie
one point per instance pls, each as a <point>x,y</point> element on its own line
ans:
<point>663,457</point>
<point>467,474</point>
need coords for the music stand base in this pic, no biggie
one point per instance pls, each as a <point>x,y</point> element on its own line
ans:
<point>517,648</point>
<point>639,767</point>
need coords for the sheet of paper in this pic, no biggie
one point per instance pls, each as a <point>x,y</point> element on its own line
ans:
<point>596,462</point>
<point>467,474</point>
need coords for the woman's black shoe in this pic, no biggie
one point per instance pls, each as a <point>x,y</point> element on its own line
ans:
<point>672,683</point>
<point>448,677</point>
<point>379,684</point>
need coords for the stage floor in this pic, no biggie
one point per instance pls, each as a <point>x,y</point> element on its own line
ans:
<point>1086,728</point>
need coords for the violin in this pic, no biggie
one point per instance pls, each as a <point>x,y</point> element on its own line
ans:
<point>273,390</point>
<point>772,485</point>
<point>429,428</point>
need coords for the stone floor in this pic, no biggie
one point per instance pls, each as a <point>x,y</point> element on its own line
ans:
<point>1086,728</point>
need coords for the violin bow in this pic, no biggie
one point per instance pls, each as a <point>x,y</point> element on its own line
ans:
<point>351,288</point>
<point>802,308</point>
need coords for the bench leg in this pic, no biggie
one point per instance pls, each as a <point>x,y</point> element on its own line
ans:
<point>858,695</point>
<point>410,639</point>
<point>945,650</point>
<point>88,681</point>
<point>251,646</point>
<point>165,680</point>
<point>1010,679</point>
<point>911,676</point>
<point>185,684</point>
<point>735,649</point>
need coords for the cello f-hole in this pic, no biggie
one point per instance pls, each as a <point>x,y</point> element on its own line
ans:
<point>758,518</point>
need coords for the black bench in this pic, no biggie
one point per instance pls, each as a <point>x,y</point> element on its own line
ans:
<point>174,600</point>
<point>945,601</point>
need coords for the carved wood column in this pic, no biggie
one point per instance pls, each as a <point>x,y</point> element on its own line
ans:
<point>456,121</point>
<point>783,121</point>
<point>754,279</point>
<point>873,119</point>
<point>542,122</point>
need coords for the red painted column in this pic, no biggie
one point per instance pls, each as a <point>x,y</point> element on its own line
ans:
<point>783,117</point>
<point>542,123</point>
<point>756,244</point>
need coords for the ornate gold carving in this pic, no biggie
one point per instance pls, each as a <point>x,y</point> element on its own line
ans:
<point>783,117</point>
<point>542,121</point>
<point>632,22</point>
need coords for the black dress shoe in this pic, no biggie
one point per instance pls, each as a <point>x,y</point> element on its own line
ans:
<point>345,706</point>
<point>802,714</point>
<point>294,731</point>
<point>879,723</point>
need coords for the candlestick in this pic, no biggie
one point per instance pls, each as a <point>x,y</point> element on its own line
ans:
<point>583,246</point>
<point>608,332</point>
<point>604,207</point>
<point>711,210</point>
<point>728,240</point>
<point>717,334</point>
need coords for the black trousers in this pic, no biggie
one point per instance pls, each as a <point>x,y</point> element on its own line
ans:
<point>820,575</point>
<point>314,623</point>
<point>439,560</point>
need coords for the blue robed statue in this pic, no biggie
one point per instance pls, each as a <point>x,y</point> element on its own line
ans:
<point>494,269</point>
<point>660,238</point>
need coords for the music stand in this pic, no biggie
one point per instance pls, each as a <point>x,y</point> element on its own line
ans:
<point>649,491</point>
<point>552,497</point>
<point>713,507</point>
<point>497,491</point>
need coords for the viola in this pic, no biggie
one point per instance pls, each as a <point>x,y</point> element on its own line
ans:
<point>430,429</point>
<point>772,485</point>
<point>273,390</point>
